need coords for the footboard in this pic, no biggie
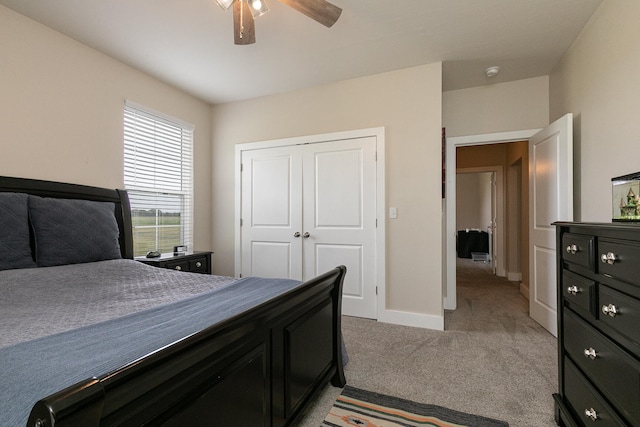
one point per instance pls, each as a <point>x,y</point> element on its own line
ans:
<point>260,368</point>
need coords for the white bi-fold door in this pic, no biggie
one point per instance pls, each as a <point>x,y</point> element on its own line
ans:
<point>306,209</point>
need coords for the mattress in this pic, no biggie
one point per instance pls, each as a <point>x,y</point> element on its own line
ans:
<point>35,302</point>
<point>58,355</point>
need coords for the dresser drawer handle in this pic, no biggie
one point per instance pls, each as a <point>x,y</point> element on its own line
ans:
<point>591,414</point>
<point>573,290</point>
<point>572,249</point>
<point>609,258</point>
<point>198,264</point>
<point>590,353</point>
<point>610,310</point>
<point>178,268</point>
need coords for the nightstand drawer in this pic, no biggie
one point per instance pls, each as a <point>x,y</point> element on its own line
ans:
<point>609,367</point>
<point>578,249</point>
<point>181,265</point>
<point>585,401</point>
<point>199,265</point>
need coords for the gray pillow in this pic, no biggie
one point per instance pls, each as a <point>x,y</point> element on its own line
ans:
<point>15,249</point>
<point>69,231</point>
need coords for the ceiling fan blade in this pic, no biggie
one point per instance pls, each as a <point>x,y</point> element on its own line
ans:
<point>244,31</point>
<point>320,10</point>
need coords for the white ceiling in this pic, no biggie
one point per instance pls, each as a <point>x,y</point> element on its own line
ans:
<point>189,43</point>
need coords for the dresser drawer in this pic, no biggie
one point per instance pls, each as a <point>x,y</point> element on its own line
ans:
<point>615,373</point>
<point>579,291</point>
<point>578,249</point>
<point>585,401</point>
<point>619,259</point>
<point>619,311</point>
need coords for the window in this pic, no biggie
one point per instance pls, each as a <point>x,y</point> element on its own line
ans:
<point>158,178</point>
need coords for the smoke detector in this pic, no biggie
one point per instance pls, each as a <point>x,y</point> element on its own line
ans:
<point>492,71</point>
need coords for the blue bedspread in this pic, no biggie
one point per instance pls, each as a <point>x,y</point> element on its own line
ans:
<point>32,370</point>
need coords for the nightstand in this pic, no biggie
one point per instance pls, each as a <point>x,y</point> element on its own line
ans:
<point>193,262</point>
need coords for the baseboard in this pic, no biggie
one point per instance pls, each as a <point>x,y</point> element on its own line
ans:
<point>524,290</point>
<point>417,320</point>
<point>513,276</point>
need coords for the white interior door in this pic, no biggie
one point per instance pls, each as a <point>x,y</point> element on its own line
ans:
<point>340,218</point>
<point>272,213</point>
<point>550,199</point>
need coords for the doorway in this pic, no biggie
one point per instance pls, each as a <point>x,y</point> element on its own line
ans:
<point>452,144</point>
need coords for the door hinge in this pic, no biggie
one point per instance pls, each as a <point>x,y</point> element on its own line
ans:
<point>376,290</point>
<point>241,167</point>
<point>376,222</point>
<point>240,222</point>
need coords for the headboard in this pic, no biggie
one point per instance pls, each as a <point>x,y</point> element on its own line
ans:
<point>73,191</point>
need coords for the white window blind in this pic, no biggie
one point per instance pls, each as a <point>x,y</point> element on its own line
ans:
<point>158,159</point>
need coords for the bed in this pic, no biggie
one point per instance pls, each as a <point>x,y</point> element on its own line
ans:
<point>90,337</point>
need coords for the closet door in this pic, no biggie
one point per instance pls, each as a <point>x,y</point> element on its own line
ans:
<point>272,213</point>
<point>339,217</point>
<point>309,208</point>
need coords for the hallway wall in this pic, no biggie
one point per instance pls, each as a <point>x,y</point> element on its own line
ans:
<point>473,195</point>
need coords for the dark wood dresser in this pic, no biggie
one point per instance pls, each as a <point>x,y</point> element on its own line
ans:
<point>598,324</point>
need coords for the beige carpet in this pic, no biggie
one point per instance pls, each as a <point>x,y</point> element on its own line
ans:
<point>492,359</point>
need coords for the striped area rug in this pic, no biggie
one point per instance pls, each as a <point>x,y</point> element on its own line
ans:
<point>360,408</point>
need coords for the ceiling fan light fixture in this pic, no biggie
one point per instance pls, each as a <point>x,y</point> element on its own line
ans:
<point>259,8</point>
<point>224,4</point>
<point>492,71</point>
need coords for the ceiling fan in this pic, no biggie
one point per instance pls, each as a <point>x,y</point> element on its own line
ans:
<point>244,12</point>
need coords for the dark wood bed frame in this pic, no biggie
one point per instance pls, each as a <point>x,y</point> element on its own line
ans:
<point>260,368</point>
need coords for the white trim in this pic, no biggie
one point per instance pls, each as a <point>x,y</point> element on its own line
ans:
<point>379,134</point>
<point>406,318</point>
<point>514,276</point>
<point>449,298</point>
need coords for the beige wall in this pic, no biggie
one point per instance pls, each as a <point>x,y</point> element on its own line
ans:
<point>473,200</point>
<point>599,82</point>
<point>61,112</point>
<point>408,104</point>
<point>504,107</point>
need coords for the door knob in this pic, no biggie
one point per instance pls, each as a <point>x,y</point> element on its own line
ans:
<point>296,234</point>
<point>306,235</point>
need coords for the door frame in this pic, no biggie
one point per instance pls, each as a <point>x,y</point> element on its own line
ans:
<point>380,245</point>
<point>449,285</point>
